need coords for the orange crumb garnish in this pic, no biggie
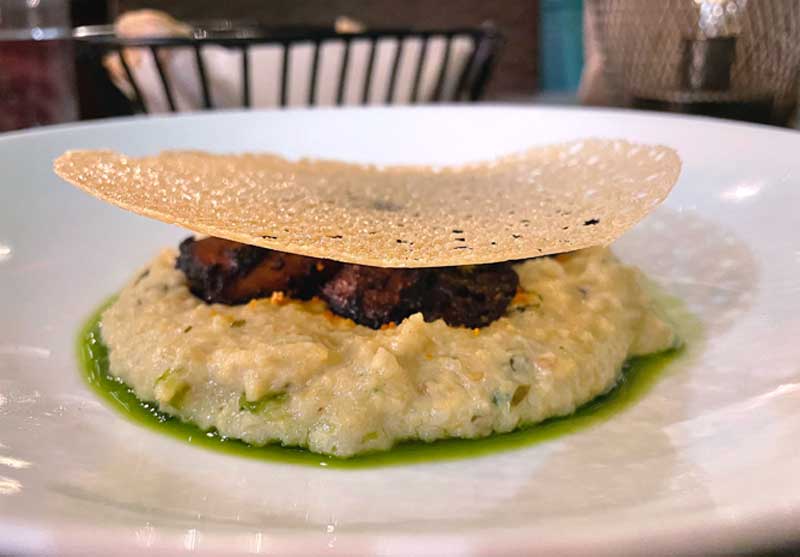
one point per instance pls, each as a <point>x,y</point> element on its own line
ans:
<point>338,319</point>
<point>476,331</point>
<point>278,299</point>
<point>389,325</point>
<point>333,318</point>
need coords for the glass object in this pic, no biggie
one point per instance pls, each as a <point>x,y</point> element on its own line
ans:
<point>728,58</point>
<point>37,67</point>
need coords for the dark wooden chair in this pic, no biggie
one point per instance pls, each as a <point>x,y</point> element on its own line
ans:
<point>437,65</point>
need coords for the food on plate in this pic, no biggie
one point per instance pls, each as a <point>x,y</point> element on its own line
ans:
<point>346,308</point>
<point>227,272</point>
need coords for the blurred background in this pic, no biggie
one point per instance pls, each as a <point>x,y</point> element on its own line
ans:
<point>67,60</point>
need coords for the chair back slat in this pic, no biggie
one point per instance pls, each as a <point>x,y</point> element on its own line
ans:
<point>485,55</point>
<point>420,63</point>
<point>162,75</point>
<point>138,99</point>
<point>246,97</point>
<point>201,71</point>
<point>312,82</point>
<point>437,93</point>
<point>343,72</point>
<point>398,55</point>
<point>285,74</point>
<point>469,67</point>
<point>373,47</point>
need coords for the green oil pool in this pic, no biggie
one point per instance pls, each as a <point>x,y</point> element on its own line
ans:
<point>640,374</point>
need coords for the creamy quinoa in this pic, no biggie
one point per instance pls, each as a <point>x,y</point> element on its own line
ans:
<point>278,370</point>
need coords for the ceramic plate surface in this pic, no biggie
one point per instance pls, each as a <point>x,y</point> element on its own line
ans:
<point>706,462</point>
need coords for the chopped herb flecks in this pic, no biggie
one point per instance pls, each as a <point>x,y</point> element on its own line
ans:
<point>263,403</point>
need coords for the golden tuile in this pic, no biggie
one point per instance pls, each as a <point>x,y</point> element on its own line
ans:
<point>546,200</point>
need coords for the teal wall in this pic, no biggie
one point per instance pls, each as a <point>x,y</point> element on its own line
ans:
<point>561,44</point>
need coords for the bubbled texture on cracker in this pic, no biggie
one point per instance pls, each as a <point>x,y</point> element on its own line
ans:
<point>546,200</point>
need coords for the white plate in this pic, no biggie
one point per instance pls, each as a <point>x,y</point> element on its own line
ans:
<point>707,461</point>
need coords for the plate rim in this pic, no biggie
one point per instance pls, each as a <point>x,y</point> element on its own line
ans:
<point>762,527</point>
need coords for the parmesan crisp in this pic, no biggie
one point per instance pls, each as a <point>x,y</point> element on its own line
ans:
<point>545,200</point>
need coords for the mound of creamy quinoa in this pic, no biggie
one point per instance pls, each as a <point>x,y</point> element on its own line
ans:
<point>286,371</point>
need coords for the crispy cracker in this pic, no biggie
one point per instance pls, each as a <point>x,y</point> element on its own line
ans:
<point>546,200</point>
